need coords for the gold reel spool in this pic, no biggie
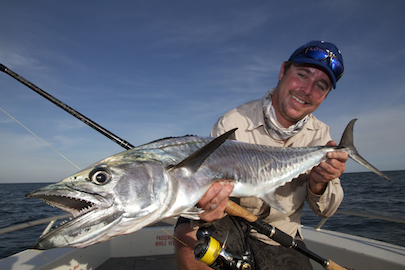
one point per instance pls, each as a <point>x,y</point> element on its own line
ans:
<point>207,250</point>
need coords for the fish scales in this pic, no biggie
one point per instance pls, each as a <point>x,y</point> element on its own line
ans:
<point>257,164</point>
<point>133,189</point>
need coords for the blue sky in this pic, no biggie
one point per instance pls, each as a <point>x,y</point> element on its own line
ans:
<point>150,69</point>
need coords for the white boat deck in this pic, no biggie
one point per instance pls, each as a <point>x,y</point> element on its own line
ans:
<point>153,248</point>
<point>150,262</point>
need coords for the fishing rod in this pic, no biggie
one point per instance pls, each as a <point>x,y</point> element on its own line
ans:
<point>68,109</point>
<point>280,237</point>
<point>231,208</point>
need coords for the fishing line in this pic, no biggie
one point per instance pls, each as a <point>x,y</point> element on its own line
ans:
<point>40,139</point>
<point>174,237</point>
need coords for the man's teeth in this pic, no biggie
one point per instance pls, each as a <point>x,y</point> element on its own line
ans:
<point>298,100</point>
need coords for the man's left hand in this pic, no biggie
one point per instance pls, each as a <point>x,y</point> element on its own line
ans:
<point>326,171</point>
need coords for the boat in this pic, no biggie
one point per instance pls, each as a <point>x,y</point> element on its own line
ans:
<point>153,247</point>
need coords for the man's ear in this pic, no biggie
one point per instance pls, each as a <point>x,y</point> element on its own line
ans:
<point>282,68</point>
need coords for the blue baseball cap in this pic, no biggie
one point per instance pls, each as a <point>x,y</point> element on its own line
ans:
<point>321,54</point>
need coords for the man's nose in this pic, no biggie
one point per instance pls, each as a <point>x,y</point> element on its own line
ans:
<point>306,87</point>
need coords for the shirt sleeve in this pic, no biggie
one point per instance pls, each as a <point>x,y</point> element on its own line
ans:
<point>217,129</point>
<point>325,205</point>
<point>223,125</point>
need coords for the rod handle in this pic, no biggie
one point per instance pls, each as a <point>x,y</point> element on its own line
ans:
<point>234,209</point>
<point>334,266</point>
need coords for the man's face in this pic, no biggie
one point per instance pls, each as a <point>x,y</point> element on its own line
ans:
<point>299,92</point>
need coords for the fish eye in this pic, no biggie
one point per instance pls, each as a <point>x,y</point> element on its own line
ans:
<point>100,176</point>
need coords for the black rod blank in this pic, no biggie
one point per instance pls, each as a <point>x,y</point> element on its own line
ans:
<point>68,109</point>
<point>285,240</point>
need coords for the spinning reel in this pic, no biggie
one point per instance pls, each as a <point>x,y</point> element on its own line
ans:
<point>209,251</point>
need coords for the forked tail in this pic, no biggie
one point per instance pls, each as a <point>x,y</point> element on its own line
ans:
<point>347,143</point>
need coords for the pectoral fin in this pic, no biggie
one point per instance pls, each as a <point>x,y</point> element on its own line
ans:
<point>270,199</point>
<point>192,213</point>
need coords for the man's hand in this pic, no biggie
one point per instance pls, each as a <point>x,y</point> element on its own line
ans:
<point>332,168</point>
<point>214,201</point>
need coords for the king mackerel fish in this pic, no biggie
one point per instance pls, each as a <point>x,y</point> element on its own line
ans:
<point>130,190</point>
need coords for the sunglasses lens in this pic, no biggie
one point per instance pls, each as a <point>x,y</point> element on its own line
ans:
<point>336,66</point>
<point>316,53</point>
<point>320,54</point>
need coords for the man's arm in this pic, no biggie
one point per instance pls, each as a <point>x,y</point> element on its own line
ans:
<point>214,203</point>
<point>331,169</point>
<point>325,192</point>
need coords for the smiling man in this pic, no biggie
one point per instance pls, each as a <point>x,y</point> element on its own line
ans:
<point>283,117</point>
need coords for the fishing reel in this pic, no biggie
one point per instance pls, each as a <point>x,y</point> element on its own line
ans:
<point>209,251</point>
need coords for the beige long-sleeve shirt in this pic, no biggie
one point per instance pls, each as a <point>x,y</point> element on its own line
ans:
<point>249,120</point>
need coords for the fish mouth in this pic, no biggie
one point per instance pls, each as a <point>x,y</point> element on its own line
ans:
<point>70,200</point>
<point>75,206</point>
<point>91,213</point>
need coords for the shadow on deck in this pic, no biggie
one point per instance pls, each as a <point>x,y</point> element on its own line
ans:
<point>136,263</point>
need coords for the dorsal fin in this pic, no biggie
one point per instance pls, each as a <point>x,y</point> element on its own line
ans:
<point>194,161</point>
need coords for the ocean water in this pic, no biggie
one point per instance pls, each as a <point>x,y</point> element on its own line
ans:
<point>368,193</point>
<point>364,192</point>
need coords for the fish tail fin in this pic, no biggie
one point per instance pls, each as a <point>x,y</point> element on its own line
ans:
<point>347,143</point>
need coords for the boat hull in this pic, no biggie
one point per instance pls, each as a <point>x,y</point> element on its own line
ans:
<point>349,251</point>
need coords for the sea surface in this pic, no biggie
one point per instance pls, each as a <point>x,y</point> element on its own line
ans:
<point>364,192</point>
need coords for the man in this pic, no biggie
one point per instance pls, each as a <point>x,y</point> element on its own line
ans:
<point>283,117</point>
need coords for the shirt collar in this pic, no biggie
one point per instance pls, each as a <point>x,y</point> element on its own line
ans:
<point>257,119</point>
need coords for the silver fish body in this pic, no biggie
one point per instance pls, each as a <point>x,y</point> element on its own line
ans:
<point>130,190</point>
